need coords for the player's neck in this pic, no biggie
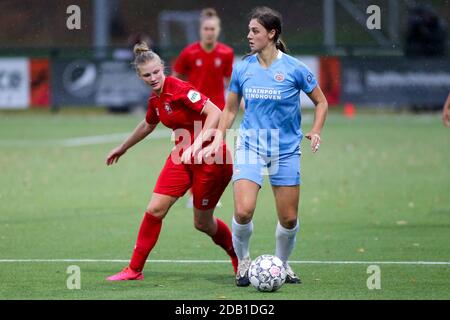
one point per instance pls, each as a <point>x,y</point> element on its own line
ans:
<point>158,92</point>
<point>208,47</point>
<point>267,56</point>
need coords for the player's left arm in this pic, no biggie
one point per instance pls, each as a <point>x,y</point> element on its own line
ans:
<point>321,103</point>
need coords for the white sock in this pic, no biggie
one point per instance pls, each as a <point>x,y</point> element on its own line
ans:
<point>241,237</point>
<point>285,241</point>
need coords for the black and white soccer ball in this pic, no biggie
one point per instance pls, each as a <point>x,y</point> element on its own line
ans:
<point>267,273</point>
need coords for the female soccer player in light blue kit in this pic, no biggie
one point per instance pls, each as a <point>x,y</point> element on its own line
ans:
<point>269,139</point>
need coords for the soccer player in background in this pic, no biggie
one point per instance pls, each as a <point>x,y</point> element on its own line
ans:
<point>446,112</point>
<point>270,82</point>
<point>179,106</point>
<point>207,64</point>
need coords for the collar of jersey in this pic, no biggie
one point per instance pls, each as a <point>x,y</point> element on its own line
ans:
<point>279,56</point>
<point>206,52</point>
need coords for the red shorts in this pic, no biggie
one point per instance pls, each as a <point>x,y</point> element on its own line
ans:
<point>207,181</point>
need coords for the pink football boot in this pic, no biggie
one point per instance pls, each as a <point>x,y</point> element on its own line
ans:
<point>126,274</point>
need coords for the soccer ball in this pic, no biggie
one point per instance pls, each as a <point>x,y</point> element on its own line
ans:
<point>267,273</point>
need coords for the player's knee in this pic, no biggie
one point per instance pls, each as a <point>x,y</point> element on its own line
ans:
<point>243,215</point>
<point>157,210</point>
<point>199,225</point>
<point>203,226</point>
<point>288,222</point>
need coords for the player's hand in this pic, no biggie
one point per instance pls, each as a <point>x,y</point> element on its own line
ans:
<point>187,155</point>
<point>190,153</point>
<point>114,155</point>
<point>315,140</point>
<point>211,149</point>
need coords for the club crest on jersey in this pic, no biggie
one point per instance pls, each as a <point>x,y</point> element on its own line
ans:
<point>198,62</point>
<point>168,108</point>
<point>279,76</point>
<point>218,62</point>
<point>194,96</point>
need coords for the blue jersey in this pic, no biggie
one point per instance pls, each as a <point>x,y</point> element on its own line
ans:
<point>272,118</point>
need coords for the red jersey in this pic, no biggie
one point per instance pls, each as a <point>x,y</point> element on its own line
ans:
<point>179,106</point>
<point>207,70</point>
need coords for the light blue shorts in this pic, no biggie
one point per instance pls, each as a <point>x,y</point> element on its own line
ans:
<point>282,170</point>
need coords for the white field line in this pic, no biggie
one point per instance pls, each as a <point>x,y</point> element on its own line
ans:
<point>84,141</point>
<point>225,261</point>
<point>81,141</point>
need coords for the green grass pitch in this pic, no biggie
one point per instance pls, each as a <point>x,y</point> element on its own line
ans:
<point>377,191</point>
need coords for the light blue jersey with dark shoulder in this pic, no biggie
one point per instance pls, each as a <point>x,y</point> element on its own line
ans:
<point>272,103</point>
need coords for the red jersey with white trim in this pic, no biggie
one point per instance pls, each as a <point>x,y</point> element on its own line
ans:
<point>207,70</point>
<point>179,106</point>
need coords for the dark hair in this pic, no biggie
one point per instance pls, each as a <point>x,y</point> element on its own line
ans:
<point>270,20</point>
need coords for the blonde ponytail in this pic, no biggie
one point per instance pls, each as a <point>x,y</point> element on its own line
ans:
<point>143,54</point>
<point>140,48</point>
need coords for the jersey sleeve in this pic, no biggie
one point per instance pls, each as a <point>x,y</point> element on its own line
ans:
<point>181,65</point>
<point>192,98</point>
<point>235,86</point>
<point>306,81</point>
<point>151,117</point>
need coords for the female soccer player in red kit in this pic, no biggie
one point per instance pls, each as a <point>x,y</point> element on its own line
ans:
<point>179,106</point>
<point>207,64</point>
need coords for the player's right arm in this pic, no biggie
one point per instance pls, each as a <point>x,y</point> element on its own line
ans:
<point>181,66</point>
<point>226,121</point>
<point>229,113</point>
<point>179,76</point>
<point>142,130</point>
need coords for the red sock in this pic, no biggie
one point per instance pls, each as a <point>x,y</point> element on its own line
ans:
<point>223,238</point>
<point>147,237</point>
